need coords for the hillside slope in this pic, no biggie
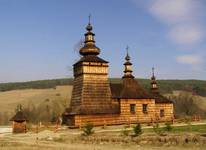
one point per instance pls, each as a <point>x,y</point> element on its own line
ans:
<point>49,102</point>
<point>55,100</point>
<point>166,86</point>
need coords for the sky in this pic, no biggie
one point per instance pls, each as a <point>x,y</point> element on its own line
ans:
<point>38,38</point>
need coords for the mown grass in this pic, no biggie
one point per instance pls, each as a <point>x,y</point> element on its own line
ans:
<point>181,129</point>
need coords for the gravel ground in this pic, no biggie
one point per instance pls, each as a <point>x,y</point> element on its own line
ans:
<point>67,140</point>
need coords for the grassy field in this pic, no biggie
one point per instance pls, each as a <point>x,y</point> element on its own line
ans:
<point>10,99</point>
<point>71,139</point>
<point>200,128</point>
<point>55,98</point>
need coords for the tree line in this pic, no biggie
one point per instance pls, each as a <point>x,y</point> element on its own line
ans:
<point>197,87</point>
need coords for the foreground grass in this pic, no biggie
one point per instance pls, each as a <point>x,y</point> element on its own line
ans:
<point>181,137</point>
<point>179,129</point>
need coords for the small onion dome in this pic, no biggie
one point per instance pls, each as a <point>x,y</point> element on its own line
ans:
<point>127,63</point>
<point>153,81</point>
<point>89,27</point>
<point>127,57</point>
<point>153,78</point>
<point>89,47</point>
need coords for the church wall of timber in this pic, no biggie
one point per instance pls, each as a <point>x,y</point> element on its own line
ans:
<point>95,69</point>
<point>96,92</point>
<point>101,119</point>
<point>167,109</point>
<point>124,117</point>
<point>91,92</point>
<point>138,115</point>
<point>77,91</point>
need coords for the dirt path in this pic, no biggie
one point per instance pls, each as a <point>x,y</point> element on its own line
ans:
<point>68,139</point>
<point>8,129</point>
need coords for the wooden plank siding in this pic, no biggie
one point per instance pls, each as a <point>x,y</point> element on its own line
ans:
<point>168,111</point>
<point>126,117</point>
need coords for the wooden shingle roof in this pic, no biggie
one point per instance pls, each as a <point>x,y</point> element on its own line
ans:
<point>91,58</point>
<point>19,116</point>
<point>160,98</point>
<point>129,89</point>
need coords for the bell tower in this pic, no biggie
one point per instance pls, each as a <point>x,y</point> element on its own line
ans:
<point>154,87</point>
<point>127,66</point>
<point>91,90</point>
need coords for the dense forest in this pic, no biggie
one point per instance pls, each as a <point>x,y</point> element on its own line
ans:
<point>166,86</point>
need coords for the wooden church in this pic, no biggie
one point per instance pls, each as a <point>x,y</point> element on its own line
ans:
<point>95,100</point>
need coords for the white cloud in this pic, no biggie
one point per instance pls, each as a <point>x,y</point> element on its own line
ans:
<point>190,59</point>
<point>186,34</point>
<point>180,16</point>
<point>185,21</point>
<point>174,11</point>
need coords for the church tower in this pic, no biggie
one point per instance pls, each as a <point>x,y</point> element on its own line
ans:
<point>91,89</point>
<point>154,87</point>
<point>127,66</point>
<point>130,87</point>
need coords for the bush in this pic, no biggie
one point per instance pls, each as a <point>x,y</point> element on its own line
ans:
<point>137,130</point>
<point>168,126</point>
<point>88,129</point>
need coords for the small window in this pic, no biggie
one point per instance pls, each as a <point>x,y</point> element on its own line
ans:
<point>144,108</point>
<point>132,108</point>
<point>162,113</point>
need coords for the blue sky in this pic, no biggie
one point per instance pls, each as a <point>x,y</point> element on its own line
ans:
<point>38,37</point>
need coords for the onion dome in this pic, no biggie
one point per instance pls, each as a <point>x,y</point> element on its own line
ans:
<point>128,66</point>
<point>89,47</point>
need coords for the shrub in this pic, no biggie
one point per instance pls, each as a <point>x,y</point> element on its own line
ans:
<point>168,126</point>
<point>88,129</point>
<point>137,130</point>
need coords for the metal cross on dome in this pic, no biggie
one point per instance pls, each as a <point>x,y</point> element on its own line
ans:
<point>153,71</point>
<point>127,48</point>
<point>89,18</point>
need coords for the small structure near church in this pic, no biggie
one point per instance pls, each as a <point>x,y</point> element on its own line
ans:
<point>19,121</point>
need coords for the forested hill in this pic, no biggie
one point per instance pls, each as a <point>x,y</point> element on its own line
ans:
<point>196,86</point>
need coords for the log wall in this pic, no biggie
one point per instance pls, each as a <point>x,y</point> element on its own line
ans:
<point>19,127</point>
<point>168,111</point>
<point>91,91</point>
<point>138,116</point>
<point>126,117</point>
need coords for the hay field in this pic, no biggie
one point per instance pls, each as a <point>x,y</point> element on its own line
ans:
<point>10,99</point>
